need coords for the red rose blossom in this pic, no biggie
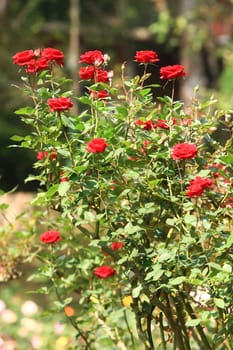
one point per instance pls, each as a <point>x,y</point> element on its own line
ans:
<point>197,186</point>
<point>23,58</point>
<point>146,56</point>
<point>50,237</point>
<point>101,76</point>
<point>59,104</point>
<point>42,155</point>
<point>97,145</point>
<point>37,65</point>
<point>99,94</point>
<point>172,72</point>
<point>95,57</point>
<point>87,72</point>
<point>184,151</point>
<point>116,245</point>
<point>51,54</point>
<point>104,271</point>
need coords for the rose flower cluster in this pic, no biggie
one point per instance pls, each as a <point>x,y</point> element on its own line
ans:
<point>38,60</point>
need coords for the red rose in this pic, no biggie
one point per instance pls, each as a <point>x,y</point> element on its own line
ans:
<point>184,151</point>
<point>197,186</point>
<point>160,123</point>
<point>95,57</point>
<point>87,72</point>
<point>104,271</point>
<point>42,155</point>
<point>194,190</point>
<point>101,76</point>
<point>116,245</point>
<point>51,54</point>
<point>23,58</point>
<point>50,237</point>
<point>172,72</point>
<point>59,104</point>
<point>37,65</point>
<point>146,56</point>
<point>96,145</point>
<point>99,94</point>
<point>147,125</point>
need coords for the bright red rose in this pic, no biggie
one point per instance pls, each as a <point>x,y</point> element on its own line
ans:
<point>59,104</point>
<point>194,190</point>
<point>116,245</point>
<point>146,56</point>
<point>184,151</point>
<point>101,76</point>
<point>50,237</point>
<point>197,186</point>
<point>23,58</point>
<point>37,65</point>
<point>42,155</point>
<point>95,57</point>
<point>104,271</point>
<point>87,72</point>
<point>51,54</point>
<point>97,145</point>
<point>99,94</point>
<point>172,72</point>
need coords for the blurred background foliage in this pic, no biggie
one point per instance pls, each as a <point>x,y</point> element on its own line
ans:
<point>191,32</point>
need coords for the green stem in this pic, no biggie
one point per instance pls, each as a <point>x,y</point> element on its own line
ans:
<point>164,346</point>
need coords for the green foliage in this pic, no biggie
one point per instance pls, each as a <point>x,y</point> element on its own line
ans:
<point>175,262</point>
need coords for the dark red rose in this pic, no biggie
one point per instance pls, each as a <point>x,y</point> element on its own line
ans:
<point>37,65</point>
<point>147,125</point>
<point>51,54</point>
<point>104,271</point>
<point>50,237</point>
<point>184,151</point>
<point>101,76</point>
<point>23,58</point>
<point>197,186</point>
<point>116,245</point>
<point>59,104</point>
<point>87,72</point>
<point>99,94</point>
<point>146,56</point>
<point>97,145</point>
<point>95,57</point>
<point>172,72</point>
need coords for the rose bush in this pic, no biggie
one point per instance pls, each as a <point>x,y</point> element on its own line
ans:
<point>146,223</point>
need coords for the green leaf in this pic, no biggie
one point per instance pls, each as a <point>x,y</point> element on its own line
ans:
<point>17,138</point>
<point>136,291</point>
<point>227,159</point>
<point>63,188</point>
<point>193,323</point>
<point>190,219</point>
<point>25,111</point>
<point>177,280</point>
<point>229,241</point>
<point>219,303</point>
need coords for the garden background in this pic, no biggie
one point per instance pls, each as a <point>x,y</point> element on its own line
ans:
<point>196,34</point>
